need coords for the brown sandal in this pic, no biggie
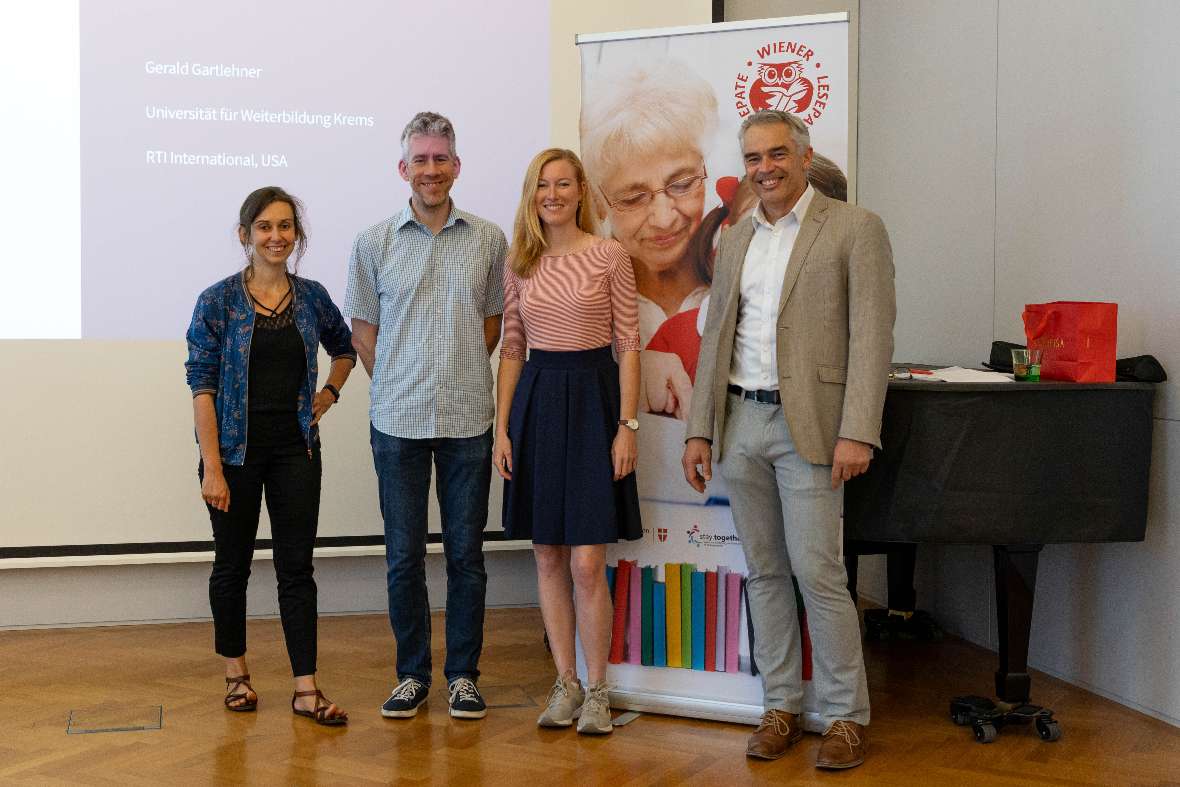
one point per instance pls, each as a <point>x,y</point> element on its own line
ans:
<point>246,705</point>
<point>320,714</point>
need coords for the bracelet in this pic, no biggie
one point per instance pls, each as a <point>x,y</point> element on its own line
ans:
<point>333,390</point>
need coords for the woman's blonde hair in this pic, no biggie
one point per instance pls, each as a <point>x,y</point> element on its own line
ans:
<point>528,238</point>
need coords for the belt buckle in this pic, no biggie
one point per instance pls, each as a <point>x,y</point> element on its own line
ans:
<point>756,395</point>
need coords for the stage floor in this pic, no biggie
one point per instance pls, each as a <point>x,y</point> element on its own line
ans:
<point>125,672</point>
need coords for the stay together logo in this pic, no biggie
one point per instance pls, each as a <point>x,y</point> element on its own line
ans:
<point>703,538</point>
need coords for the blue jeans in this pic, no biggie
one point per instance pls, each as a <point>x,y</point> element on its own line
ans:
<point>403,478</point>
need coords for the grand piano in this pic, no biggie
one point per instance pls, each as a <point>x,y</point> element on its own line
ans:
<point>1013,465</point>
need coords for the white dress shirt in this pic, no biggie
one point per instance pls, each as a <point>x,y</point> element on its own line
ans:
<point>755,364</point>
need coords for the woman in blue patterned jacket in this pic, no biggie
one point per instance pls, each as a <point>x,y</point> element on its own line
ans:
<point>252,350</point>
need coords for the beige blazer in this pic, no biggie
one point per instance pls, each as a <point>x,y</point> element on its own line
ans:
<point>834,332</point>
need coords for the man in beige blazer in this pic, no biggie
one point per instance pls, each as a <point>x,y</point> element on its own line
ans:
<point>789,389</point>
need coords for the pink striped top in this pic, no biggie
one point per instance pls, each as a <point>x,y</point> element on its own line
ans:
<point>575,301</point>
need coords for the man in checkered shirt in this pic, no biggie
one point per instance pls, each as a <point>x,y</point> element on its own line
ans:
<point>425,294</point>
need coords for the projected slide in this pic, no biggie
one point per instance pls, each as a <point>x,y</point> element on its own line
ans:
<point>183,108</point>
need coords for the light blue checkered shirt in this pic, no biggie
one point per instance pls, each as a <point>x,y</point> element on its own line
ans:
<point>428,295</point>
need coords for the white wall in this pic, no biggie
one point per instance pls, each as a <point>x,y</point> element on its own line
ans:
<point>96,595</point>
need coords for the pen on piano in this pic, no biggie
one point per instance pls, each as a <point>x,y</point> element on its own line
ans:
<point>909,373</point>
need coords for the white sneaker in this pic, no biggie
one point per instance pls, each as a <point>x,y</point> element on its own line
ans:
<point>595,719</point>
<point>565,703</point>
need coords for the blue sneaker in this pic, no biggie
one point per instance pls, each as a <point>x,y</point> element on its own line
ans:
<point>404,701</point>
<point>466,703</point>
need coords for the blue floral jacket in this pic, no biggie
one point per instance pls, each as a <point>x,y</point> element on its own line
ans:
<point>218,362</point>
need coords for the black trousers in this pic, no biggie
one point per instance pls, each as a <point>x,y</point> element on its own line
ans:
<point>290,479</point>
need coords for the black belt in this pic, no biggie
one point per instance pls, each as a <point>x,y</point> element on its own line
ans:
<point>765,397</point>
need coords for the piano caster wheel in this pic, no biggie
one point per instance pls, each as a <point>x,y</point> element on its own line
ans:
<point>1049,730</point>
<point>984,732</point>
<point>972,710</point>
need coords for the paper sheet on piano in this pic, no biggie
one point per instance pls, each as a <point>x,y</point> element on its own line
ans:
<point>957,374</point>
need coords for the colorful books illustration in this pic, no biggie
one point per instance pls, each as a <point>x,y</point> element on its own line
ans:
<point>719,655</point>
<point>698,620</point>
<point>645,615</point>
<point>634,617</point>
<point>733,620</point>
<point>659,629</point>
<point>672,613</point>
<point>619,622</point>
<point>710,621</point>
<point>686,570</point>
<point>691,619</point>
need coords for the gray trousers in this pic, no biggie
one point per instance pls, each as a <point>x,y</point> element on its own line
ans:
<point>788,518</point>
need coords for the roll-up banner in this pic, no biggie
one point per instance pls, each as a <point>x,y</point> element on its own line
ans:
<point>661,111</point>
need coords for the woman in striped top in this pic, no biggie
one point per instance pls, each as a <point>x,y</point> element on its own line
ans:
<point>566,420</point>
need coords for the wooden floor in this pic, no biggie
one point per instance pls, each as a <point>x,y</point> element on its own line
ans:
<point>48,673</point>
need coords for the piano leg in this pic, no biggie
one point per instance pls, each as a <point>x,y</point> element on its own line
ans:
<point>1016,582</point>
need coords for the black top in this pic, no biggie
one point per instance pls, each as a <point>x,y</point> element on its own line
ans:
<point>277,371</point>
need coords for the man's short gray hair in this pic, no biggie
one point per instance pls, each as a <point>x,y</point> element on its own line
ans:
<point>427,124</point>
<point>767,116</point>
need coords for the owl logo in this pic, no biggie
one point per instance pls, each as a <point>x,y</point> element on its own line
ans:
<point>782,86</point>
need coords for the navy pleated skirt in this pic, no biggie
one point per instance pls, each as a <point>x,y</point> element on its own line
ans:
<point>564,418</point>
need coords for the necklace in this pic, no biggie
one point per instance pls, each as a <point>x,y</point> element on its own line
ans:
<point>272,311</point>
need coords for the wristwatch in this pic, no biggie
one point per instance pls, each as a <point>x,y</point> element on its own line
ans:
<point>630,423</point>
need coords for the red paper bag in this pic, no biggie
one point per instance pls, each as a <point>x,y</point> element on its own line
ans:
<point>1077,338</point>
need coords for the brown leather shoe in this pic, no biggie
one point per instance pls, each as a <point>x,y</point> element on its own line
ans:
<point>777,732</point>
<point>845,744</point>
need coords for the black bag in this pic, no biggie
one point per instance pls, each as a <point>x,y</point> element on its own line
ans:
<point>1140,369</point>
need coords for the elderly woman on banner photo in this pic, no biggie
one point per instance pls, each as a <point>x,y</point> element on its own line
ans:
<point>252,368</point>
<point>645,136</point>
<point>566,421</point>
